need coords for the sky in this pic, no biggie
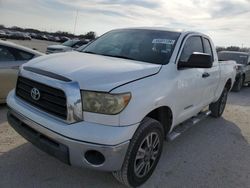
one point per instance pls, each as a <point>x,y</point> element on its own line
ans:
<point>227,22</point>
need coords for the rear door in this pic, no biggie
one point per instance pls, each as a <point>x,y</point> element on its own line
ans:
<point>247,79</point>
<point>211,76</point>
<point>10,60</point>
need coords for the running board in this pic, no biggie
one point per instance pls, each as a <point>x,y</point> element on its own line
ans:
<point>183,127</point>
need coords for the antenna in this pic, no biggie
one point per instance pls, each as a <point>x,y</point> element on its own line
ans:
<point>75,21</point>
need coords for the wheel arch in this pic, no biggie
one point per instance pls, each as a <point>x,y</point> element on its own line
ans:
<point>244,77</point>
<point>164,115</point>
<point>229,84</point>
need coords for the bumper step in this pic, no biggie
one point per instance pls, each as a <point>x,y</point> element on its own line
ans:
<point>183,127</point>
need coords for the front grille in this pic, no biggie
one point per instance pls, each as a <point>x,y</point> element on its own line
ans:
<point>51,100</point>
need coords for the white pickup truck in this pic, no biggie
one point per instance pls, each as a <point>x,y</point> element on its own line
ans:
<point>111,106</point>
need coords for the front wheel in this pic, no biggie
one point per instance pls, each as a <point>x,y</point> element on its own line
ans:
<point>218,107</point>
<point>143,154</point>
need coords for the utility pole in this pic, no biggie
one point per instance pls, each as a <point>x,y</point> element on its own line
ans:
<point>75,21</point>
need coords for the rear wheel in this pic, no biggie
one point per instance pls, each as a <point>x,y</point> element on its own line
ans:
<point>238,84</point>
<point>143,154</point>
<point>218,107</point>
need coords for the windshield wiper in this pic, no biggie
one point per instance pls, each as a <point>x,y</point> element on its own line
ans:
<point>89,52</point>
<point>118,56</point>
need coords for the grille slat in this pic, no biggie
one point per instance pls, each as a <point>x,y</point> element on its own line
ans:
<point>42,87</point>
<point>51,100</point>
<point>24,87</point>
<point>54,100</point>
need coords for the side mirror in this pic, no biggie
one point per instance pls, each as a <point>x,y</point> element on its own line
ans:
<point>197,60</point>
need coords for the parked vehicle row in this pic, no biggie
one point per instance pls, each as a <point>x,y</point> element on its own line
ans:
<point>110,106</point>
<point>28,36</point>
<point>14,35</point>
<point>2,34</point>
<point>49,37</point>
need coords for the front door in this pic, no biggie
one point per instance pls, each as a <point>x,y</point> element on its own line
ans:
<point>190,86</point>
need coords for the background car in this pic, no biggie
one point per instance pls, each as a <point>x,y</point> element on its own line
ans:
<point>243,66</point>
<point>19,36</point>
<point>2,34</point>
<point>66,46</point>
<point>11,57</point>
<point>64,39</point>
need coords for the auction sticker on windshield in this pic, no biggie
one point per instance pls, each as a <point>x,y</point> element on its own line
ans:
<point>163,41</point>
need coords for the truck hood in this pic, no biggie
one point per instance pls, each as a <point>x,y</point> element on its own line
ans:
<point>94,72</point>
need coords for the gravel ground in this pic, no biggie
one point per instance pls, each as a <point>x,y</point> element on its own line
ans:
<point>214,153</point>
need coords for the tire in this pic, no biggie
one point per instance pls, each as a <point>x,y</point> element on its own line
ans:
<point>238,84</point>
<point>145,162</point>
<point>218,107</point>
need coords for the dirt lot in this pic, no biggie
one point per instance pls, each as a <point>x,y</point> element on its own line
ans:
<point>214,153</point>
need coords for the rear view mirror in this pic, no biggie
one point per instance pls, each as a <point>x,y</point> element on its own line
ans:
<point>197,60</point>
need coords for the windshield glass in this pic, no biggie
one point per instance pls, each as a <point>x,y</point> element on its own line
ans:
<point>69,43</point>
<point>137,44</point>
<point>239,58</point>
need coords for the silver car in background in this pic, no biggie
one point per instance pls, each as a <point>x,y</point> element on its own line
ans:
<point>11,57</point>
<point>66,46</point>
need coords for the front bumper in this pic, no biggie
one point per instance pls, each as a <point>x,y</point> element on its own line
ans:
<point>65,149</point>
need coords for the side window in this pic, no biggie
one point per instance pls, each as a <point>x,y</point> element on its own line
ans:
<point>24,55</point>
<point>21,55</point>
<point>193,44</point>
<point>6,55</point>
<point>207,47</point>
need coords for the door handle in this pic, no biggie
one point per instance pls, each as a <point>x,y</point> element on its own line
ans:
<point>205,75</point>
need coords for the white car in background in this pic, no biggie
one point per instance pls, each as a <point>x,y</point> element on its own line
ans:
<point>66,46</point>
<point>11,57</point>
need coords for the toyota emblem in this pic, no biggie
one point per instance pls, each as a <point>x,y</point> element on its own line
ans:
<point>35,94</point>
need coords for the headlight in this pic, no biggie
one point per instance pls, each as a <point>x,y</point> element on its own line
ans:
<point>104,103</point>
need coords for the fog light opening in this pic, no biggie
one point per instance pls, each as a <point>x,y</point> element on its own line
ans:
<point>94,157</point>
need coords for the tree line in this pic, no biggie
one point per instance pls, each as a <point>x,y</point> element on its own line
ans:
<point>89,35</point>
<point>233,48</point>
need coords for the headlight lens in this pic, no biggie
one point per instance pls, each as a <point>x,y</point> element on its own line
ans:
<point>104,103</point>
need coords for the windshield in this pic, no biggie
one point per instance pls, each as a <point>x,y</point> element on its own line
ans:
<point>69,43</point>
<point>137,44</point>
<point>238,57</point>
